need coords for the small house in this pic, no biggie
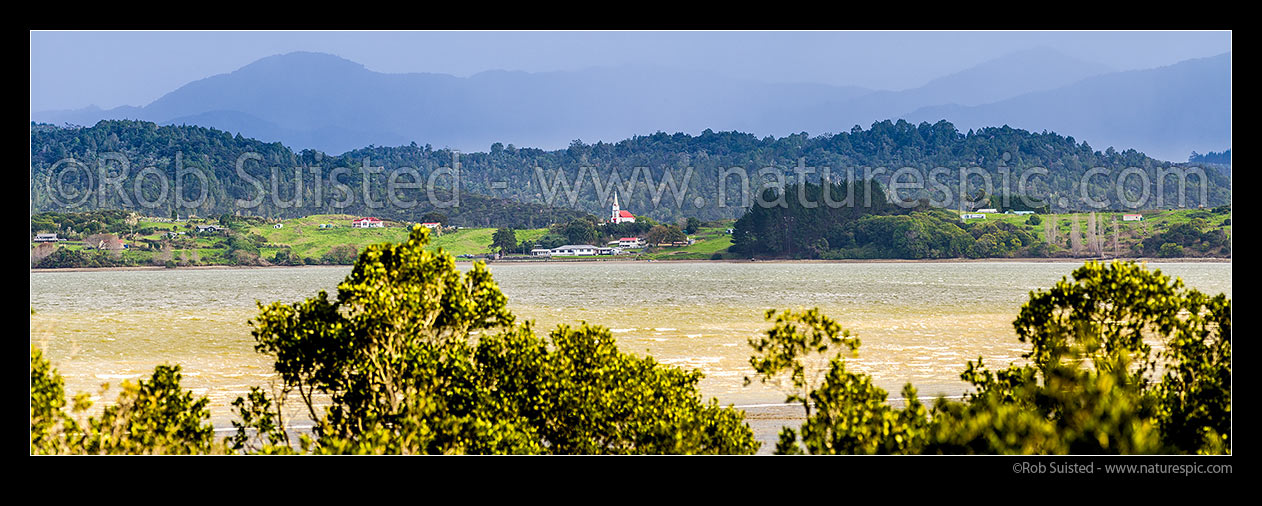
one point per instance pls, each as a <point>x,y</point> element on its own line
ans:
<point>973,216</point>
<point>988,210</point>
<point>46,238</point>
<point>1132,217</point>
<point>368,222</point>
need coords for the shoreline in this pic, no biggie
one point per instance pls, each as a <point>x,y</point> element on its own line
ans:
<point>1040,260</point>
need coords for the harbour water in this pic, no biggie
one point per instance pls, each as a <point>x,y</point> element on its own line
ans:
<point>918,322</point>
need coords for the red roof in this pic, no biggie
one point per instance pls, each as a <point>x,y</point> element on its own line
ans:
<point>625,214</point>
<point>632,239</point>
<point>370,218</point>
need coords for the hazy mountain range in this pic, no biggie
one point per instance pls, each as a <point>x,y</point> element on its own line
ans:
<point>323,102</point>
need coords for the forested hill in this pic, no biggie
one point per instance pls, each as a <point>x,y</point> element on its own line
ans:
<point>58,186</point>
<point>695,164</point>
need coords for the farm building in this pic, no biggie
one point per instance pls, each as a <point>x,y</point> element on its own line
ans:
<point>368,222</point>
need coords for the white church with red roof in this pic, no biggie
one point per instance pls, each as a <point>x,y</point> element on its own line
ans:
<point>619,215</point>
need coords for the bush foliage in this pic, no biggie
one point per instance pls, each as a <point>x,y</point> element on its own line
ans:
<point>1093,382</point>
<point>415,357</point>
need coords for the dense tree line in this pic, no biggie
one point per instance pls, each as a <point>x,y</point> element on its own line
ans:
<point>805,220</point>
<point>801,223</point>
<point>1194,238</point>
<point>716,174</point>
<point>886,144</point>
<point>285,184</point>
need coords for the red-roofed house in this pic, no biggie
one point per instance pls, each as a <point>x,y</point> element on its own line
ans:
<point>368,222</point>
<point>630,242</point>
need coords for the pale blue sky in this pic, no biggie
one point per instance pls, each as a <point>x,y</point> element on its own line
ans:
<point>108,69</point>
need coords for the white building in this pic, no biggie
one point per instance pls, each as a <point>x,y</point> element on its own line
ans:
<point>618,215</point>
<point>1132,217</point>
<point>988,210</point>
<point>368,222</point>
<point>45,237</point>
<point>575,250</point>
<point>972,216</point>
<point>541,252</point>
<point>630,242</point>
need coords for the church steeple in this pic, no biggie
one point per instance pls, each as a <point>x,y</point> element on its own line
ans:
<point>618,215</point>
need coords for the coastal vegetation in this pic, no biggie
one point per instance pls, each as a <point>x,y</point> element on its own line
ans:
<point>801,226</point>
<point>414,356</point>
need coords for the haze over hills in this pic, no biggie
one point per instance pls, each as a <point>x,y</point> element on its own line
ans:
<point>1167,112</point>
<point>320,101</point>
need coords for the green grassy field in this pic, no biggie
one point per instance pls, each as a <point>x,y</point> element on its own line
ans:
<point>709,240</point>
<point>305,237</point>
<point>533,234</point>
<point>468,241</point>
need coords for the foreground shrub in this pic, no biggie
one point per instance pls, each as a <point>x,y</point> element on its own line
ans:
<point>415,357</point>
<point>1093,382</point>
<point>150,416</point>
